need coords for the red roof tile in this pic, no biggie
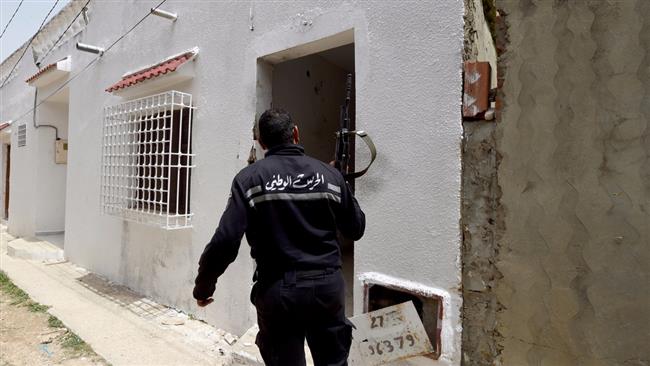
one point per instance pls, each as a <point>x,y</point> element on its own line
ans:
<point>151,72</point>
<point>41,72</point>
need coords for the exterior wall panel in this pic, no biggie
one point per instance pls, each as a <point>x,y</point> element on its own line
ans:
<point>408,94</point>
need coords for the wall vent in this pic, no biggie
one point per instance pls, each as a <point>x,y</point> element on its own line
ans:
<point>147,160</point>
<point>428,306</point>
<point>22,135</point>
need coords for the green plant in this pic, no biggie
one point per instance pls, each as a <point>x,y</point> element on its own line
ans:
<point>54,322</point>
<point>72,342</point>
<point>35,307</point>
<point>18,296</point>
<point>69,340</point>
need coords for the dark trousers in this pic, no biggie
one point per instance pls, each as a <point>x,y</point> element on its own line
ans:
<point>301,306</point>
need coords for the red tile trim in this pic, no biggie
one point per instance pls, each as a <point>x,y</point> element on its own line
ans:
<point>41,72</point>
<point>151,72</point>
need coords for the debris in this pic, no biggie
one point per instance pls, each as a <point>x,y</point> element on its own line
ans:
<point>173,320</point>
<point>50,262</point>
<point>475,282</point>
<point>230,339</point>
<point>46,350</point>
<point>247,344</point>
<point>52,331</point>
<point>49,337</point>
<point>245,358</point>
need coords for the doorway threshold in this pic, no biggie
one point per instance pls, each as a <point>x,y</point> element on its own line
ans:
<point>55,238</point>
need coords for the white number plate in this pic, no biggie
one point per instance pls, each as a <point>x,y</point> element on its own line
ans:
<point>387,335</point>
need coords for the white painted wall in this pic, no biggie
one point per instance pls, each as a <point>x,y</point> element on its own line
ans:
<point>51,177</point>
<point>37,202</point>
<point>408,96</point>
<point>5,141</point>
<point>16,101</point>
<point>22,180</point>
<point>3,164</point>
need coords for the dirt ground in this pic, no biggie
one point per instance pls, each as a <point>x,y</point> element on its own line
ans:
<point>29,335</point>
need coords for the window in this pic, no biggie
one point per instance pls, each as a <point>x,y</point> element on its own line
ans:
<point>22,135</point>
<point>147,160</point>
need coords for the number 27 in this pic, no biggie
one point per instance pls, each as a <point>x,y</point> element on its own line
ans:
<point>375,320</point>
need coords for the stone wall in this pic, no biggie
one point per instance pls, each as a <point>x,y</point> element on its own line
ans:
<point>480,199</point>
<point>572,225</point>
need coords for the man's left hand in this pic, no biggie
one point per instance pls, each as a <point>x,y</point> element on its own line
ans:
<point>203,303</point>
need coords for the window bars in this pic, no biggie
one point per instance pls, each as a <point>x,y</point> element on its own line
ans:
<point>147,160</point>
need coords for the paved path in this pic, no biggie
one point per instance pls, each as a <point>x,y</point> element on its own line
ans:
<point>121,326</point>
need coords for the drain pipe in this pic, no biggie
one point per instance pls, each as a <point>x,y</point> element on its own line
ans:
<point>56,130</point>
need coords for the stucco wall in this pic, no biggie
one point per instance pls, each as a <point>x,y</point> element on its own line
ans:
<point>16,100</point>
<point>408,96</point>
<point>5,141</point>
<point>51,177</point>
<point>574,139</point>
<point>37,202</point>
<point>22,180</point>
<point>3,167</point>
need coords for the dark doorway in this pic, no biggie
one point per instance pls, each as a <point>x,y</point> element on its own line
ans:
<point>312,88</point>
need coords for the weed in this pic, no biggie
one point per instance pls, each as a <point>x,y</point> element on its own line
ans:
<point>35,307</point>
<point>18,296</point>
<point>72,342</point>
<point>69,340</point>
<point>54,322</point>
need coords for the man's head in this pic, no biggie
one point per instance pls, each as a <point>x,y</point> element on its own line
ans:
<point>276,128</point>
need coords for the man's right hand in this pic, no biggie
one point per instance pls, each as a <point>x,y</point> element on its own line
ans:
<point>203,303</point>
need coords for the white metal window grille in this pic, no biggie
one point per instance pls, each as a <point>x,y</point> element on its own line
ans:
<point>147,160</point>
<point>22,135</point>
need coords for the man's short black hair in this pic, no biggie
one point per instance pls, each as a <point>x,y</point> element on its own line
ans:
<point>275,127</point>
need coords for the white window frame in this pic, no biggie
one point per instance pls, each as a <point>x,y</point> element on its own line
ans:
<point>141,155</point>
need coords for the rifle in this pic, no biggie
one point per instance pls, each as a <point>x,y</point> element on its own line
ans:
<point>342,159</point>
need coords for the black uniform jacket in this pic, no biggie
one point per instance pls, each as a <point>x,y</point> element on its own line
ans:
<point>290,206</point>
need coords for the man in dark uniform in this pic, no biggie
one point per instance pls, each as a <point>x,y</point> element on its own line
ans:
<point>289,206</point>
